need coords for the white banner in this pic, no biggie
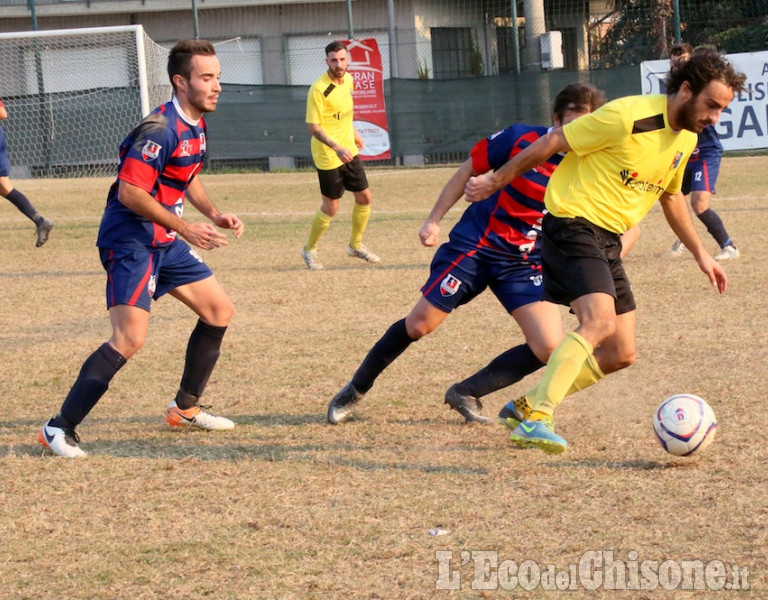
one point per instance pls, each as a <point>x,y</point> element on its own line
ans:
<point>744,124</point>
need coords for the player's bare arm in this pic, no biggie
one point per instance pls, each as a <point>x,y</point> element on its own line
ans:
<point>679,219</point>
<point>359,141</point>
<point>480,187</point>
<point>450,194</point>
<point>3,113</point>
<point>200,199</point>
<point>319,133</point>
<point>202,235</point>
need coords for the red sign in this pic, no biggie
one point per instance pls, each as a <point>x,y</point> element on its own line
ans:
<point>370,112</point>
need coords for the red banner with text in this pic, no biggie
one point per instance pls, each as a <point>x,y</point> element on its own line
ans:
<point>370,112</point>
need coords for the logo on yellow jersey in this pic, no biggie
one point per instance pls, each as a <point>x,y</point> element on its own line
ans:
<point>631,181</point>
<point>676,162</point>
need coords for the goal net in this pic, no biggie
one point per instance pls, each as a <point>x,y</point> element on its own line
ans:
<point>72,96</point>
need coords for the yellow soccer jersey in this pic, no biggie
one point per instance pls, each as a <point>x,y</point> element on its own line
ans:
<point>624,157</point>
<point>330,106</point>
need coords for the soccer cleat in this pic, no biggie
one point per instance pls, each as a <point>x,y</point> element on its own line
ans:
<point>514,412</point>
<point>677,249</point>
<point>195,417</point>
<point>728,252</point>
<point>539,434</point>
<point>467,406</point>
<point>43,231</point>
<point>62,442</point>
<point>363,253</point>
<point>310,257</point>
<point>340,408</point>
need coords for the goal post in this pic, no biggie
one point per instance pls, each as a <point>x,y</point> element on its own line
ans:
<point>73,94</point>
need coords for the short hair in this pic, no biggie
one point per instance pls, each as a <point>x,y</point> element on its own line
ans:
<point>581,97</point>
<point>704,66</point>
<point>680,49</point>
<point>334,47</point>
<point>180,57</point>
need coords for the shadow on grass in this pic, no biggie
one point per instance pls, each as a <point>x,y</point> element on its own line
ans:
<point>619,465</point>
<point>356,266</point>
<point>160,447</point>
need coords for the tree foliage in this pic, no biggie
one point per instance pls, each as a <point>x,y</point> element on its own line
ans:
<point>637,30</point>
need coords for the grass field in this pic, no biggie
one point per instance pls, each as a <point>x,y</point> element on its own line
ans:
<point>285,506</point>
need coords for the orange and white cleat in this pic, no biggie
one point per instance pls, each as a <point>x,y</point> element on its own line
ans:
<point>62,442</point>
<point>195,417</point>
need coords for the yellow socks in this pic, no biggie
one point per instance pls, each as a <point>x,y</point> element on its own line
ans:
<point>320,224</point>
<point>560,375</point>
<point>360,215</point>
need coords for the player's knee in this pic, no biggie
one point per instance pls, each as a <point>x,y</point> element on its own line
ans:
<point>128,345</point>
<point>623,359</point>
<point>417,327</point>
<point>222,313</point>
<point>598,329</point>
<point>543,349</point>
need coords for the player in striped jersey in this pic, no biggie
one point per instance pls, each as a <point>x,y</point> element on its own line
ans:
<point>144,257</point>
<point>494,245</point>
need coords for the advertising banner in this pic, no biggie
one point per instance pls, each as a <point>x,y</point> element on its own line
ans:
<point>370,112</point>
<point>744,124</point>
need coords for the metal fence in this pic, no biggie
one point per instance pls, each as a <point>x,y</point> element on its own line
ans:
<point>454,69</point>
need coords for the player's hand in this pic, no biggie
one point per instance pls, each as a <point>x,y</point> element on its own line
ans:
<point>230,221</point>
<point>715,272</point>
<point>429,233</point>
<point>204,235</point>
<point>344,155</point>
<point>478,188</point>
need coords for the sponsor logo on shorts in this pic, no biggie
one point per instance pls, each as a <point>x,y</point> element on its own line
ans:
<point>152,285</point>
<point>150,151</point>
<point>195,255</point>
<point>449,286</point>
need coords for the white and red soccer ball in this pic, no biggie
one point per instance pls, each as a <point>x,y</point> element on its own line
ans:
<point>684,424</point>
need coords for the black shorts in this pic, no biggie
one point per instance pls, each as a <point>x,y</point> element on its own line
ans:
<point>349,176</point>
<point>581,258</point>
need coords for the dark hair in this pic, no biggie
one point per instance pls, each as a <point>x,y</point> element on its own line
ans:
<point>704,66</point>
<point>680,49</point>
<point>180,57</point>
<point>334,47</point>
<point>577,96</point>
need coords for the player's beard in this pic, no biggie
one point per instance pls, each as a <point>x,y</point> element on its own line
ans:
<point>686,116</point>
<point>201,100</point>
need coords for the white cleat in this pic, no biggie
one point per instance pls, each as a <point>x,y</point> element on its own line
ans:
<point>727,253</point>
<point>363,253</point>
<point>62,442</point>
<point>677,249</point>
<point>195,417</point>
<point>310,257</point>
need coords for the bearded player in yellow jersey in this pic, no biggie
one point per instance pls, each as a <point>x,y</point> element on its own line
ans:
<point>621,159</point>
<point>335,144</point>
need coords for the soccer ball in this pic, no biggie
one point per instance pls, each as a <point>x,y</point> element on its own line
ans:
<point>684,424</point>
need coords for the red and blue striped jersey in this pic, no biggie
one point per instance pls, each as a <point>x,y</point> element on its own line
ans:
<point>508,222</point>
<point>161,156</point>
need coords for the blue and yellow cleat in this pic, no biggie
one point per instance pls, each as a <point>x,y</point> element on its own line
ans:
<point>539,434</point>
<point>514,412</point>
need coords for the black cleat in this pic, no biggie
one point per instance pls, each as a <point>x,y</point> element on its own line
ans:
<point>468,407</point>
<point>43,231</point>
<point>340,408</point>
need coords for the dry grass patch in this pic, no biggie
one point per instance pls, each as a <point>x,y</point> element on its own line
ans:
<point>286,506</point>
